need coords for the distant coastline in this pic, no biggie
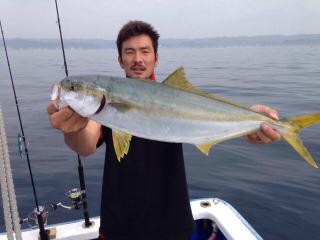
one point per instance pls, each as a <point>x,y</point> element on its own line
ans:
<point>268,40</point>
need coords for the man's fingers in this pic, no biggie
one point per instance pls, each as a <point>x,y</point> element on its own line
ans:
<point>270,133</point>
<point>266,133</point>
<point>270,112</point>
<point>58,119</point>
<point>258,138</point>
<point>75,123</point>
<point>51,108</point>
<point>253,138</point>
<point>65,119</point>
<point>262,138</point>
<point>65,113</point>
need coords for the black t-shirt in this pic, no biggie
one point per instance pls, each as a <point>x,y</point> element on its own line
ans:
<point>146,193</point>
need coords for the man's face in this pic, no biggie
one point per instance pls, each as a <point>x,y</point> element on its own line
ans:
<point>138,58</point>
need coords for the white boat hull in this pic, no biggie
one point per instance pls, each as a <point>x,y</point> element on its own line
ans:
<point>228,220</point>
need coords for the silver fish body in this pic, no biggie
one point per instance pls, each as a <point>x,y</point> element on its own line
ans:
<point>165,111</point>
<point>155,111</point>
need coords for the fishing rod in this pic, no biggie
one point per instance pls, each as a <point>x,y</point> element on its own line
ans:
<point>39,209</point>
<point>82,192</point>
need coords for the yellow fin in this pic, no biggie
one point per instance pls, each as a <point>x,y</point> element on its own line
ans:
<point>178,80</point>
<point>292,137</point>
<point>205,147</point>
<point>121,143</point>
<point>297,144</point>
<point>304,120</point>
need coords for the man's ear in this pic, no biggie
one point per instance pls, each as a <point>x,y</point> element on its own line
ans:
<point>157,59</point>
<point>120,61</point>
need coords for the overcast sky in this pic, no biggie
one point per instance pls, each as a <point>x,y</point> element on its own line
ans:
<point>172,18</point>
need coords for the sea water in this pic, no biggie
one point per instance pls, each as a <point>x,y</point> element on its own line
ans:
<point>270,185</point>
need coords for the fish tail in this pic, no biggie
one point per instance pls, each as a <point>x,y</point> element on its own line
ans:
<point>291,135</point>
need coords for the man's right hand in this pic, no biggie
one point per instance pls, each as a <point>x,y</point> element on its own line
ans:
<point>65,119</point>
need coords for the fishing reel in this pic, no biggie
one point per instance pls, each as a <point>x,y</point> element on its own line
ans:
<point>32,219</point>
<point>76,196</point>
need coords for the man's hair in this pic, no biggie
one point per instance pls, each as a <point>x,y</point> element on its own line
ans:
<point>136,28</point>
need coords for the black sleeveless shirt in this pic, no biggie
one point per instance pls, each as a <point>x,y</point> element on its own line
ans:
<point>145,196</point>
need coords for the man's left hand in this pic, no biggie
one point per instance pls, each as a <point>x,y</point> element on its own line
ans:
<point>266,134</point>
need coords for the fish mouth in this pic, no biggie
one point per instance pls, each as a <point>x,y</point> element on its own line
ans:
<point>55,91</point>
<point>55,95</point>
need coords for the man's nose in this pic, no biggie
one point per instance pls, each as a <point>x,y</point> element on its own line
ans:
<point>138,57</point>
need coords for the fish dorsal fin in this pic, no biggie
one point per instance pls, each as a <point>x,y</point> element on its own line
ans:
<point>121,143</point>
<point>178,80</point>
<point>205,147</point>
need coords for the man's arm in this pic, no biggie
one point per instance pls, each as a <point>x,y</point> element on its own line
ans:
<point>266,134</point>
<point>80,133</point>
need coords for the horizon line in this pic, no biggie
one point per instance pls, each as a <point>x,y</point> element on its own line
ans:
<point>180,38</point>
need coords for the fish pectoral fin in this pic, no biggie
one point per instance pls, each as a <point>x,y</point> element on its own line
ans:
<point>178,80</point>
<point>205,147</point>
<point>121,143</point>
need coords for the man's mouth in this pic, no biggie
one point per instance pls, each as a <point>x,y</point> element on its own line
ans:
<point>138,68</point>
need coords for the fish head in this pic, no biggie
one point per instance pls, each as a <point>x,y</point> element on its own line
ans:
<point>81,96</point>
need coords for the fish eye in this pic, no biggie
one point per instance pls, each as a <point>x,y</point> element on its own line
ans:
<point>72,87</point>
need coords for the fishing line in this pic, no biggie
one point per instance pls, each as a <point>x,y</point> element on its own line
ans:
<point>61,41</point>
<point>20,120</point>
<point>39,217</point>
<point>80,167</point>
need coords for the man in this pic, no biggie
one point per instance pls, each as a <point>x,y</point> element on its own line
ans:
<point>144,196</point>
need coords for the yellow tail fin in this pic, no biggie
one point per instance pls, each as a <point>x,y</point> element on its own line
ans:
<point>292,134</point>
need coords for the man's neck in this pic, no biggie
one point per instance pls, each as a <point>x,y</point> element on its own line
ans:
<point>152,77</point>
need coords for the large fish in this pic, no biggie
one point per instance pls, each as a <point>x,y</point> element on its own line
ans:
<point>171,111</point>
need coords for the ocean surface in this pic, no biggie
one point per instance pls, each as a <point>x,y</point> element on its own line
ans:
<point>270,185</point>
